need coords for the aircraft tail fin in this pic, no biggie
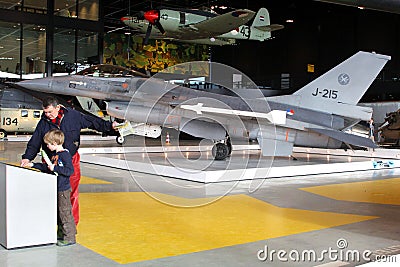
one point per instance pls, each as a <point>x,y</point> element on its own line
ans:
<point>261,27</point>
<point>346,83</point>
<point>340,89</point>
<point>261,19</point>
<point>90,106</point>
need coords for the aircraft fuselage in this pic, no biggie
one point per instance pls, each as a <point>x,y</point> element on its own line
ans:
<point>157,102</point>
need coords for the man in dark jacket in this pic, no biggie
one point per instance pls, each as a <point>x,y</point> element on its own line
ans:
<point>70,122</point>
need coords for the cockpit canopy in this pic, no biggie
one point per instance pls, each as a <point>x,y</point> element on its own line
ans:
<point>106,70</point>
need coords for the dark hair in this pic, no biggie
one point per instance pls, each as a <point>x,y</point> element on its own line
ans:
<point>50,101</point>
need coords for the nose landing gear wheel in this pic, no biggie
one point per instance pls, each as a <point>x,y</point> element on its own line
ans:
<point>220,151</point>
<point>120,140</point>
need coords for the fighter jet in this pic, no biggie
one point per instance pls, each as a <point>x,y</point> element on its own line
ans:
<point>202,27</point>
<point>314,116</point>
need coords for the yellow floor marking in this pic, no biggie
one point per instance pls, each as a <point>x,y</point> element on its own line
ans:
<point>90,180</point>
<point>14,163</point>
<point>381,191</point>
<point>131,226</point>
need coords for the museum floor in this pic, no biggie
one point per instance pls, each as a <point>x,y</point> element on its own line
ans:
<point>139,219</point>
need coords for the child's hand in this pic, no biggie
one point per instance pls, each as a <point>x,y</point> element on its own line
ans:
<point>51,167</point>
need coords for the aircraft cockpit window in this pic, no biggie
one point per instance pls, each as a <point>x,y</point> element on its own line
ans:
<point>105,70</point>
<point>24,113</point>
<point>36,114</point>
<point>207,9</point>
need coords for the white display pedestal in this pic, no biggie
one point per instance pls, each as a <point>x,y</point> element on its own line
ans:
<point>28,207</point>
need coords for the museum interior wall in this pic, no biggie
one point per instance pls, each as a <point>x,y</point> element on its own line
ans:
<point>68,34</point>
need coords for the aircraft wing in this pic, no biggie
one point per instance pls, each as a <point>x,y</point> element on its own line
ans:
<point>345,137</point>
<point>223,23</point>
<point>270,28</point>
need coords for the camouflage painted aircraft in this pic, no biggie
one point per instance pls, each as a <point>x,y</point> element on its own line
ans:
<point>314,116</point>
<point>202,27</point>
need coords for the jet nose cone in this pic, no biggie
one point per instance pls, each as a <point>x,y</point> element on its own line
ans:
<point>41,85</point>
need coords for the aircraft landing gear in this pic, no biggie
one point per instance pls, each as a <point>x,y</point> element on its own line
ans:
<point>229,145</point>
<point>220,151</point>
<point>120,140</point>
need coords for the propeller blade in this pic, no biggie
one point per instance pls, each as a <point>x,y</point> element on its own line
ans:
<point>159,26</point>
<point>148,32</point>
<point>139,15</point>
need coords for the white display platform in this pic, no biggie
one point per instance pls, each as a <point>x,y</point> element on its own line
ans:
<point>26,138</point>
<point>386,153</point>
<point>28,207</point>
<point>163,161</point>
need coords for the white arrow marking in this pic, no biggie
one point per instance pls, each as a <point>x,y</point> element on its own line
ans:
<point>275,116</point>
<point>78,83</point>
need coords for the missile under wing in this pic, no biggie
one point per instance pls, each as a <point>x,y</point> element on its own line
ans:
<point>314,116</point>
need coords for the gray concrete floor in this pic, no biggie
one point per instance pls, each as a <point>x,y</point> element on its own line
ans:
<point>381,235</point>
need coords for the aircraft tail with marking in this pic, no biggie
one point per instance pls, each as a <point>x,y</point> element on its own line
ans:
<point>261,27</point>
<point>340,89</point>
<point>90,106</point>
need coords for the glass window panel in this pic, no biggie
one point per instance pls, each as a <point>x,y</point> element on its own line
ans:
<point>10,4</point>
<point>34,50</point>
<point>65,8</point>
<point>88,9</point>
<point>36,114</point>
<point>87,48</point>
<point>35,6</point>
<point>9,48</point>
<point>63,50</point>
<point>24,113</point>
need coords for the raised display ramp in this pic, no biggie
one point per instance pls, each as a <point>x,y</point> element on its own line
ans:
<point>195,163</point>
<point>84,137</point>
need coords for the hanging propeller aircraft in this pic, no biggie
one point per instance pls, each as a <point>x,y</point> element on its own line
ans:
<point>202,27</point>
